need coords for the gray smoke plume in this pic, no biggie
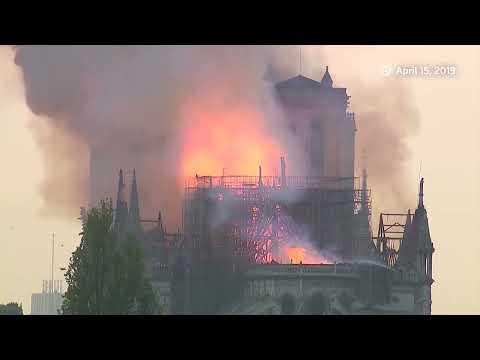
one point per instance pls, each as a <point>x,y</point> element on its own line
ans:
<point>126,104</point>
<point>387,118</point>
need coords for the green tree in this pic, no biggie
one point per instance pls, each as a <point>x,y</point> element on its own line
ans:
<point>11,309</point>
<point>106,275</point>
<point>130,292</point>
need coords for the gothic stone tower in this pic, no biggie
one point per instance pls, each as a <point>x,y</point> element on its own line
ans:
<point>415,256</point>
<point>317,113</point>
<point>121,208</point>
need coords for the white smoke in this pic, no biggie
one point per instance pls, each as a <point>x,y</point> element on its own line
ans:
<point>125,102</point>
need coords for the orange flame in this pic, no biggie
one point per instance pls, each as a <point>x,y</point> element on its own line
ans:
<point>218,137</point>
<point>300,255</point>
<point>296,255</point>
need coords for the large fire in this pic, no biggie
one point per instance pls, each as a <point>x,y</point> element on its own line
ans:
<point>235,138</point>
<point>220,137</point>
<point>300,255</point>
<point>296,254</point>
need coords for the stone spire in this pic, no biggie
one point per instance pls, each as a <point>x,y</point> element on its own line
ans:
<point>134,211</point>
<point>408,222</point>
<point>121,210</point>
<point>364,190</point>
<point>420,196</point>
<point>327,79</point>
<point>420,233</point>
<point>416,254</point>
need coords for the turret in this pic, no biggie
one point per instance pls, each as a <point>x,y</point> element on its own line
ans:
<point>121,209</point>
<point>420,195</point>
<point>134,211</point>
<point>416,253</point>
<point>326,80</point>
<point>422,232</point>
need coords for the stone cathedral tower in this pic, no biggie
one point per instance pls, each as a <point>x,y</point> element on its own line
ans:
<point>415,256</point>
<point>317,114</point>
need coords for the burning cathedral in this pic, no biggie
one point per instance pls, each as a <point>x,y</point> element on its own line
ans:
<point>289,244</point>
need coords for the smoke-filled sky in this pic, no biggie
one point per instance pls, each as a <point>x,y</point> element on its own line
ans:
<point>175,108</point>
<point>176,111</point>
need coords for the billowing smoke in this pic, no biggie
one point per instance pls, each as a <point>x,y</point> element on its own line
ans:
<point>157,108</point>
<point>387,118</point>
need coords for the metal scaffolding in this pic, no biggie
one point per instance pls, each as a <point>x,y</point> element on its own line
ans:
<point>391,229</point>
<point>233,222</point>
<point>249,216</point>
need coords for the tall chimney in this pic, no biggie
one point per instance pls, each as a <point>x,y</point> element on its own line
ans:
<point>284,176</point>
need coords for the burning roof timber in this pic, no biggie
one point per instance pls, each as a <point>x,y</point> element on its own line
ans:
<point>274,219</point>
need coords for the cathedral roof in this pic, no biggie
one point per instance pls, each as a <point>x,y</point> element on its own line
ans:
<point>301,84</point>
<point>299,81</point>
<point>327,79</point>
<point>304,82</point>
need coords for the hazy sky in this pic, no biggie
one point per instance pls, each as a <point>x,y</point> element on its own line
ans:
<point>447,146</point>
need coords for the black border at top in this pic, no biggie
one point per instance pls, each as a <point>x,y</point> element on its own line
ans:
<point>400,26</point>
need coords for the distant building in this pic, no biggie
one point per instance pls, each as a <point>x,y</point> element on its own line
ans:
<point>49,301</point>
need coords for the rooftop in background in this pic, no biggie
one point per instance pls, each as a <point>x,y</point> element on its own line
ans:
<point>302,82</point>
<point>301,87</point>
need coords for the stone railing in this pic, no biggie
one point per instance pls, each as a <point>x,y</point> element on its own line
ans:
<point>300,270</point>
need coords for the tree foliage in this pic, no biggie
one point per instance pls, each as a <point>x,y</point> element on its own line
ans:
<point>106,275</point>
<point>11,309</point>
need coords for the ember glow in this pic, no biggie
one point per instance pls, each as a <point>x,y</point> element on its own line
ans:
<point>300,255</point>
<point>296,254</point>
<point>234,139</point>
